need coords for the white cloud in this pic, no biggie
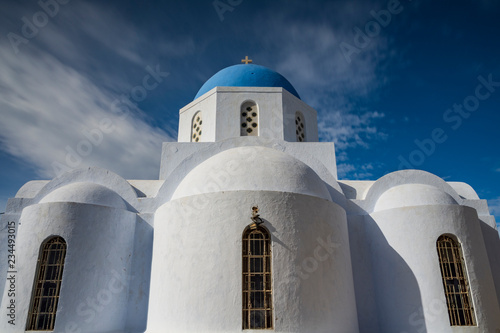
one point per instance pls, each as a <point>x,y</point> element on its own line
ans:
<point>494,205</point>
<point>97,40</point>
<point>349,130</point>
<point>53,92</point>
<point>343,169</point>
<point>57,85</point>
<point>309,56</point>
<point>3,204</point>
<point>352,172</point>
<point>47,106</point>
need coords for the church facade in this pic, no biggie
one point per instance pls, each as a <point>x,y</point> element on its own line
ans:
<point>248,228</point>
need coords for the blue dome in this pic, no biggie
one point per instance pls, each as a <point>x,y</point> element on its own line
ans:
<point>246,76</point>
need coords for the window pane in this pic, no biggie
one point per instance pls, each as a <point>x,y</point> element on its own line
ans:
<point>45,294</point>
<point>256,265</point>
<point>455,284</point>
<point>257,319</point>
<point>249,119</point>
<point>257,296</point>
<point>196,127</point>
<point>257,282</point>
<point>257,300</point>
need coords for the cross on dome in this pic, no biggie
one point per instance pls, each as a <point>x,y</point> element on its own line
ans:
<point>246,60</point>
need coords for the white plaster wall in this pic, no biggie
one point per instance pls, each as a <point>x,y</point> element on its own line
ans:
<point>355,189</point>
<point>6,220</point>
<point>90,175</point>
<point>492,243</point>
<point>146,188</point>
<point>140,276</point>
<point>207,105</point>
<point>184,156</point>
<point>359,240</point>
<point>464,190</point>
<point>413,195</point>
<point>291,105</point>
<point>252,168</point>
<point>268,100</point>
<point>405,178</point>
<point>196,273</point>
<point>94,290</point>
<point>221,114</point>
<point>179,159</point>
<point>84,192</point>
<point>31,188</point>
<point>407,277</point>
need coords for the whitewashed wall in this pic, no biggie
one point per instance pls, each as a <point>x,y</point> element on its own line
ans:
<point>197,263</point>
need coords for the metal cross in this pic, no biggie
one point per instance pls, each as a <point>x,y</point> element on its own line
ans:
<point>246,60</point>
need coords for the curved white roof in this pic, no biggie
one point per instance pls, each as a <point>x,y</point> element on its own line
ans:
<point>413,195</point>
<point>87,193</point>
<point>254,169</point>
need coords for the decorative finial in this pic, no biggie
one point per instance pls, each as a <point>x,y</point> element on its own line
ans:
<point>246,60</point>
<point>255,218</point>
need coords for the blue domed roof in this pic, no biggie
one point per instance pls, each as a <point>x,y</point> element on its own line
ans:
<point>247,75</point>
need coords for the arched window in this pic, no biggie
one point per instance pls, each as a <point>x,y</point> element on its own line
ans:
<point>300,127</point>
<point>456,287</point>
<point>249,116</point>
<point>196,127</point>
<point>45,294</point>
<point>257,290</point>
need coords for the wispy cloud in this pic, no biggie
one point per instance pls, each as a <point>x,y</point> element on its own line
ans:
<point>60,85</point>
<point>349,130</point>
<point>494,205</point>
<point>100,42</point>
<point>355,172</point>
<point>339,91</point>
<point>54,95</point>
<point>47,107</point>
<point>310,55</point>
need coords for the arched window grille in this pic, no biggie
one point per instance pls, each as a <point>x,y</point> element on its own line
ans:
<point>300,127</point>
<point>257,283</point>
<point>249,119</point>
<point>196,126</point>
<point>456,287</point>
<point>48,278</point>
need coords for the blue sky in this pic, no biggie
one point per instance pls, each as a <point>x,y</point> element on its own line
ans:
<point>385,92</point>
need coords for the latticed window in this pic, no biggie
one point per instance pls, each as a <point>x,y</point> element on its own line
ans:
<point>456,288</point>
<point>249,118</point>
<point>257,291</point>
<point>300,127</point>
<point>196,127</point>
<point>45,295</point>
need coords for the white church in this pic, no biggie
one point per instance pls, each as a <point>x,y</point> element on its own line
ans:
<point>246,229</point>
